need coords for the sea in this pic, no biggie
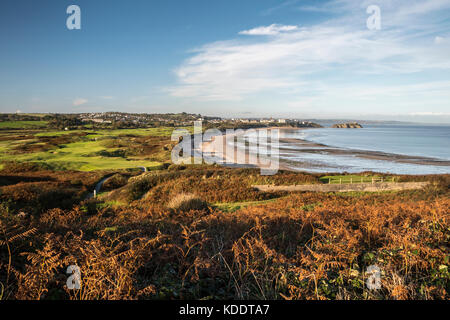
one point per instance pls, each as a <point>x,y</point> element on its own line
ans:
<point>417,140</point>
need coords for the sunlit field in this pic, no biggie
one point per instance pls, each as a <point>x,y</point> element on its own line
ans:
<point>84,150</point>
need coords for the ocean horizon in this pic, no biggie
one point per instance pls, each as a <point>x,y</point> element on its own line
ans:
<point>415,140</point>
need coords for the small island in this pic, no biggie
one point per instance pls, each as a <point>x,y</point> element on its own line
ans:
<point>352,125</point>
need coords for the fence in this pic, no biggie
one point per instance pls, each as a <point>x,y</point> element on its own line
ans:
<point>372,180</point>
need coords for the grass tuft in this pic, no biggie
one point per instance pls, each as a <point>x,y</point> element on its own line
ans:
<point>186,202</point>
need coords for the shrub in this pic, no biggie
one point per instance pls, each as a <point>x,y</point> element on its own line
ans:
<point>302,246</point>
<point>115,182</point>
<point>19,167</point>
<point>138,187</point>
<point>187,202</point>
<point>176,167</point>
<point>112,154</point>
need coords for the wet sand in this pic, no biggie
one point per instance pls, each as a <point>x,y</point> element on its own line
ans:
<point>236,158</point>
<point>311,147</point>
<point>297,147</point>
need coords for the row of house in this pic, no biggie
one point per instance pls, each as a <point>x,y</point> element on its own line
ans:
<point>180,119</point>
<point>271,120</point>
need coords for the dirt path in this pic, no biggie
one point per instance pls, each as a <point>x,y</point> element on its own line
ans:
<point>99,185</point>
<point>362,187</point>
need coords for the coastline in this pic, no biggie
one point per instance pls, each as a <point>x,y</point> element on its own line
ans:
<point>222,158</point>
<point>299,147</point>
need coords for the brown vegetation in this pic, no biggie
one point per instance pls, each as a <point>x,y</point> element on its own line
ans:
<point>42,144</point>
<point>165,246</point>
<point>153,148</point>
<point>186,202</point>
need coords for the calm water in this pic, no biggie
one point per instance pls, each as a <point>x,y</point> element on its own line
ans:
<point>426,141</point>
<point>414,140</point>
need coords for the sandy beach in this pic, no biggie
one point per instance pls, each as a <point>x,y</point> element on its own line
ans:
<point>215,149</point>
<point>298,147</point>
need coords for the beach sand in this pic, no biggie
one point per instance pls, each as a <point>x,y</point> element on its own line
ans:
<point>298,147</point>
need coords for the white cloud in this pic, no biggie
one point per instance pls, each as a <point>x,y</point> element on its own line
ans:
<point>424,7</point>
<point>439,40</point>
<point>79,102</point>
<point>271,30</point>
<point>298,61</point>
<point>228,70</point>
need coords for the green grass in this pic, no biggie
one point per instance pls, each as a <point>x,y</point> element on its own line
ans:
<point>353,179</point>
<point>311,206</point>
<point>111,229</point>
<point>109,204</point>
<point>84,155</point>
<point>23,124</point>
<point>156,132</point>
<point>356,194</point>
<point>59,133</point>
<point>80,156</point>
<point>5,146</point>
<point>235,206</point>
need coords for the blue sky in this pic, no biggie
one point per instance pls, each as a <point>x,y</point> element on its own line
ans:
<point>248,58</point>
